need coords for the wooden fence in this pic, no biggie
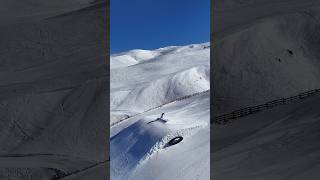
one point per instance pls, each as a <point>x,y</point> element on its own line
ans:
<point>172,101</point>
<point>225,118</point>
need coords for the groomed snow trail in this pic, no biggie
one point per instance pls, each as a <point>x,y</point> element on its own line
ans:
<point>139,145</point>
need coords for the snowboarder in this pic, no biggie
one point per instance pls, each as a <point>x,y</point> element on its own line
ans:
<point>162,116</point>
<point>159,119</point>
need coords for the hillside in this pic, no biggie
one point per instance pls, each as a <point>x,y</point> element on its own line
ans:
<point>173,80</point>
<point>271,57</point>
<point>53,92</point>
<point>281,143</point>
<point>262,51</point>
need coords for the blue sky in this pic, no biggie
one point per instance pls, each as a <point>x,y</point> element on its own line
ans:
<point>151,24</point>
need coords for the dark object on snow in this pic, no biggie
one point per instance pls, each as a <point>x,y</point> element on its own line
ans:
<point>175,140</point>
<point>290,52</point>
<point>160,119</point>
<point>162,116</point>
<point>279,59</point>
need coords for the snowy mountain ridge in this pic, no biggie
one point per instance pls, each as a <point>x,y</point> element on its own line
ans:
<point>139,55</point>
<point>155,81</point>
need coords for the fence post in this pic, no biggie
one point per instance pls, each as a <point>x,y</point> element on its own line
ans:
<point>225,118</point>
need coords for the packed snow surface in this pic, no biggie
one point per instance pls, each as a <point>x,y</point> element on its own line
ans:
<point>145,83</point>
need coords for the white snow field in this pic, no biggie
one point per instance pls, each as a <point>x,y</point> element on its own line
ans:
<point>53,93</point>
<point>173,80</point>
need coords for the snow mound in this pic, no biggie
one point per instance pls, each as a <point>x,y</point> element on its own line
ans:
<point>137,142</point>
<point>140,141</point>
<point>132,144</point>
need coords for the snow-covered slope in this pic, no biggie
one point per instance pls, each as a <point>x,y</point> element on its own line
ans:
<point>53,94</point>
<point>177,72</point>
<point>13,10</point>
<point>261,60</point>
<point>161,81</point>
<point>264,50</point>
<point>231,15</point>
<point>130,58</point>
<point>278,144</point>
